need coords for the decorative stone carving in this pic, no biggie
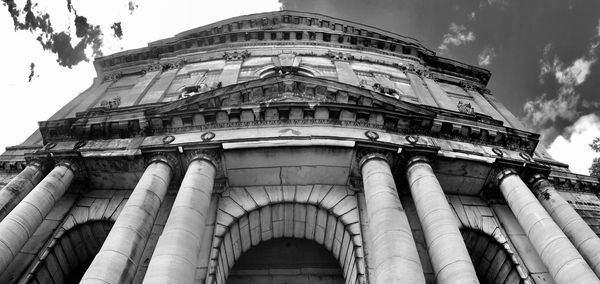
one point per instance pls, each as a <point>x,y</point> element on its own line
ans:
<point>339,56</point>
<point>113,76</point>
<point>363,155</point>
<point>236,55</point>
<point>112,103</point>
<point>153,67</point>
<point>286,59</point>
<point>465,107</point>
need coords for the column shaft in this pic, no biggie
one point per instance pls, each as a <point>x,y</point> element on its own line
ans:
<point>176,254</point>
<point>449,256</point>
<point>554,248</point>
<point>19,187</point>
<point>394,251</point>
<point>20,224</point>
<point>577,230</point>
<point>119,256</point>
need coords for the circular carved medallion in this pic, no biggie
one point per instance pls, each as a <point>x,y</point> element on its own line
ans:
<point>168,139</point>
<point>207,136</point>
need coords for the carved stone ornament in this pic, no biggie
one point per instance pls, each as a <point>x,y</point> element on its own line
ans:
<point>465,107</point>
<point>207,136</point>
<point>209,155</point>
<point>236,55</point>
<point>412,139</point>
<point>173,65</point>
<point>498,152</point>
<point>339,55</point>
<point>365,155</point>
<point>163,157</point>
<point>112,103</point>
<point>168,139</point>
<point>372,135</point>
<point>153,67</point>
<point>112,76</point>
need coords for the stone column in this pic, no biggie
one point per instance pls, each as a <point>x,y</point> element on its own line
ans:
<point>21,185</point>
<point>580,234</point>
<point>554,248</point>
<point>119,256</point>
<point>176,254</point>
<point>20,224</point>
<point>448,253</point>
<point>394,251</point>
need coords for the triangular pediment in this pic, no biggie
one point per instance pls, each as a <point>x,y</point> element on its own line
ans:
<point>293,89</point>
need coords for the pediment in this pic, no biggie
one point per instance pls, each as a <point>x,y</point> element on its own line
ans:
<point>293,89</point>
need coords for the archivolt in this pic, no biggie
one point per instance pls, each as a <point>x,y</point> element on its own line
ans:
<point>70,252</point>
<point>325,214</point>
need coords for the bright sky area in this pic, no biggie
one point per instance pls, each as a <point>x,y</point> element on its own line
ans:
<point>543,60</point>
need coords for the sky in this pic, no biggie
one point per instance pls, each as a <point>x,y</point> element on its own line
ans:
<point>543,54</point>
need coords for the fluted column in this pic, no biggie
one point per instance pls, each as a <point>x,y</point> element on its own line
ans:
<point>20,186</point>
<point>20,224</point>
<point>448,253</point>
<point>563,261</point>
<point>394,251</point>
<point>119,256</point>
<point>176,254</point>
<point>577,230</point>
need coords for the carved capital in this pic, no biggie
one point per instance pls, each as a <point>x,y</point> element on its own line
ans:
<point>365,156</point>
<point>417,159</point>
<point>44,164</point>
<point>163,157</point>
<point>72,164</point>
<point>211,156</point>
<point>505,173</point>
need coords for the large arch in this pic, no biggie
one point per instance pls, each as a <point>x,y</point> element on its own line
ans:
<point>493,262</point>
<point>70,253</point>
<point>325,214</point>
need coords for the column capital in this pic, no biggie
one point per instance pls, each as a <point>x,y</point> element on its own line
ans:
<point>417,159</point>
<point>536,180</point>
<point>163,157</point>
<point>366,156</point>
<point>505,173</point>
<point>210,155</point>
<point>43,163</point>
<point>70,163</point>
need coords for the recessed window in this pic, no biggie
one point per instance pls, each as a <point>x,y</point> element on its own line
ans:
<point>298,35</point>
<point>286,35</point>
<point>273,36</point>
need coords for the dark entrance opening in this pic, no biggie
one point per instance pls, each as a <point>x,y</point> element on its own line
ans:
<point>286,260</point>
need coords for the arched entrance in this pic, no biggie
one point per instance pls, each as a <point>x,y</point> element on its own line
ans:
<point>286,260</point>
<point>323,214</point>
<point>70,255</point>
<point>493,264</point>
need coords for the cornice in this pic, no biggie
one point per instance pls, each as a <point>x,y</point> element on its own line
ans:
<point>315,29</point>
<point>287,100</point>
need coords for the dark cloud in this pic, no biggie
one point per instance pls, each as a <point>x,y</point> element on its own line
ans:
<point>118,32</point>
<point>31,71</point>
<point>57,42</point>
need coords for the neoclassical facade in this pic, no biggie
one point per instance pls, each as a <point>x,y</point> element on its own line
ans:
<point>291,147</point>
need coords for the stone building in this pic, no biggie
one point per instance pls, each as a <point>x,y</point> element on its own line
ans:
<point>290,147</point>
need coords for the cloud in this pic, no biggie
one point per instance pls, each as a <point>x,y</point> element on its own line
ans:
<point>572,147</point>
<point>485,56</point>
<point>544,109</point>
<point>458,35</point>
